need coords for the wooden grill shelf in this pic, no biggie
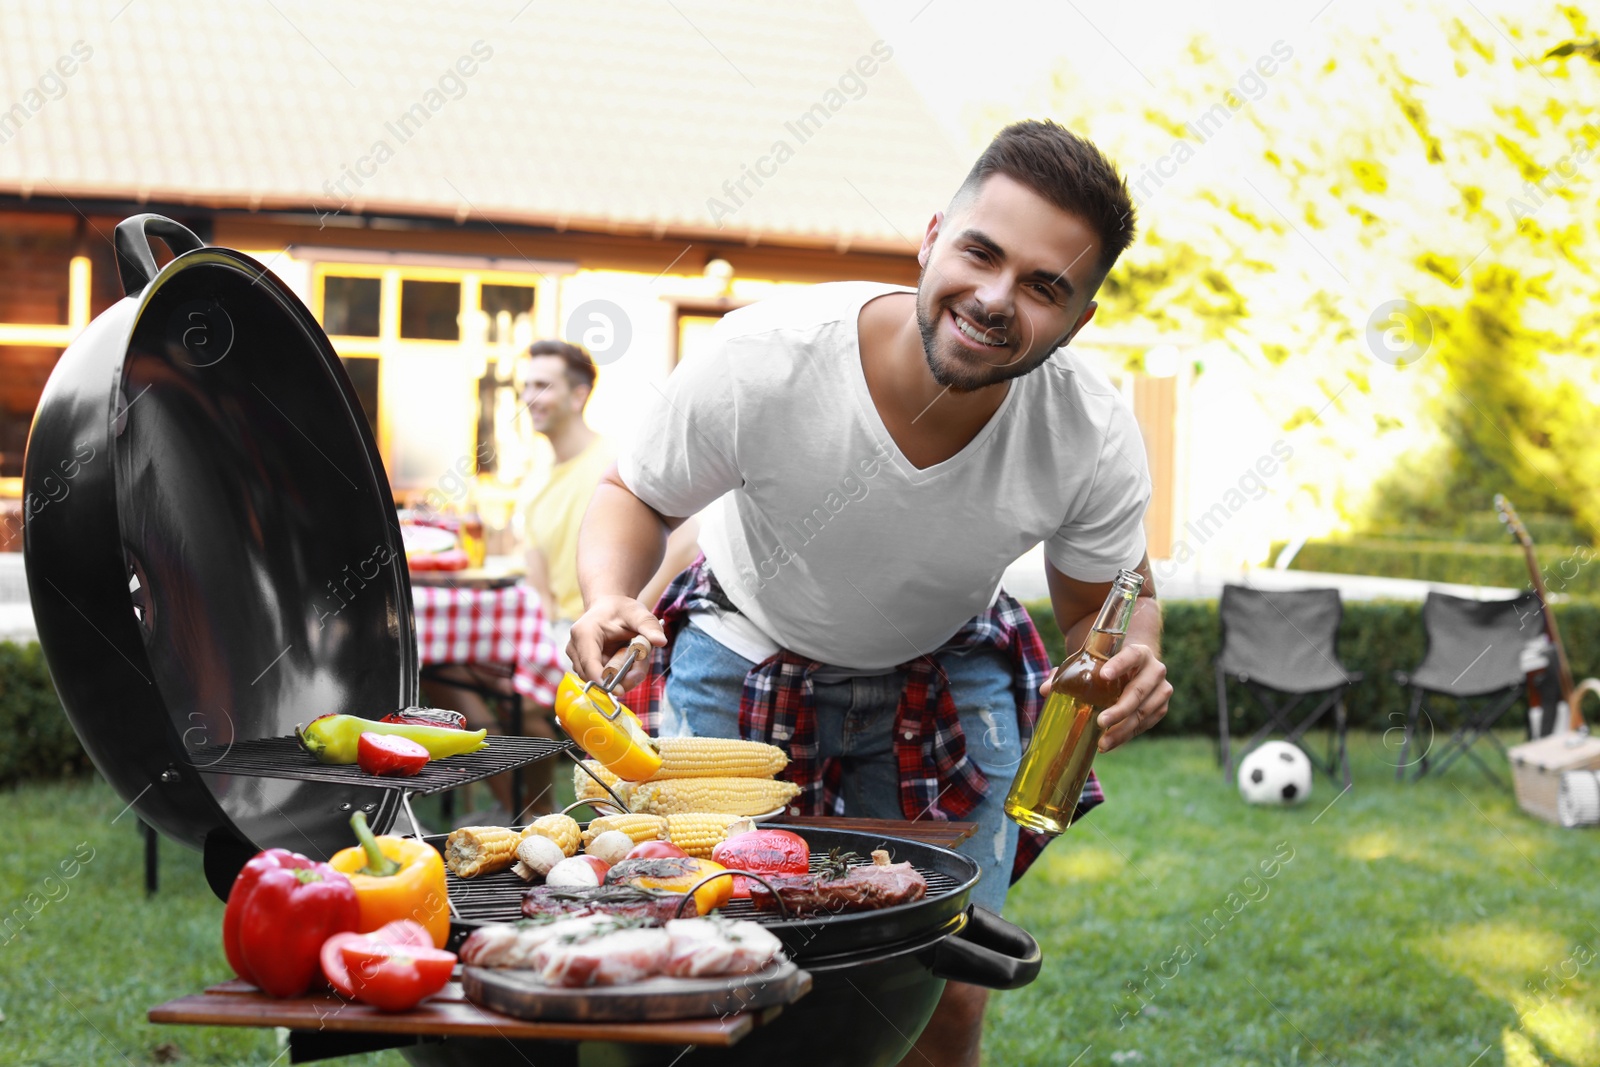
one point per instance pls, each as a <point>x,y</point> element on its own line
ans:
<point>447,1014</point>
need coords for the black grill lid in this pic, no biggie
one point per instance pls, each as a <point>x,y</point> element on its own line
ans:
<point>215,555</point>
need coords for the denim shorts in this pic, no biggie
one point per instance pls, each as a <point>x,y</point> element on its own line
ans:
<point>855,722</point>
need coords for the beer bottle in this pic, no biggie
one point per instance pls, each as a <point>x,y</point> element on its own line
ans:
<point>1044,794</point>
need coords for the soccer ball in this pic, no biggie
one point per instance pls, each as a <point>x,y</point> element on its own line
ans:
<point>1275,773</point>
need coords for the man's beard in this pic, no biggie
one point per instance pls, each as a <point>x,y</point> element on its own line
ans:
<point>956,372</point>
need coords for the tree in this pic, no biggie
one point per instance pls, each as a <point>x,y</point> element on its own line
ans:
<point>1410,175</point>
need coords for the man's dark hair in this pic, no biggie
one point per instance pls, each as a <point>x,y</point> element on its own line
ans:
<point>580,365</point>
<point>1065,169</point>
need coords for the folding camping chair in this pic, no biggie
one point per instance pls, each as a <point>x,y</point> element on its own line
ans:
<point>1475,658</point>
<point>1282,647</point>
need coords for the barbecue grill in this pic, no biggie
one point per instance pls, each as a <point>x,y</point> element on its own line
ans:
<point>218,558</point>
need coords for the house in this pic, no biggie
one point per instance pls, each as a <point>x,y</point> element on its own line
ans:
<point>444,183</point>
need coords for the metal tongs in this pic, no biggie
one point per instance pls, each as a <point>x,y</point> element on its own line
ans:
<point>610,677</point>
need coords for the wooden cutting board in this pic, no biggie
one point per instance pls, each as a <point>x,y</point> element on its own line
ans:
<point>521,995</point>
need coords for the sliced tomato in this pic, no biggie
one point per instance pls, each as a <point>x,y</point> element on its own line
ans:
<point>390,754</point>
<point>399,932</point>
<point>395,977</point>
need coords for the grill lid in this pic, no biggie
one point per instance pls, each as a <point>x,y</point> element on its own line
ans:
<point>216,557</point>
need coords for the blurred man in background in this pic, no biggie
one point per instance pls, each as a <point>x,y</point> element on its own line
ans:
<point>557,379</point>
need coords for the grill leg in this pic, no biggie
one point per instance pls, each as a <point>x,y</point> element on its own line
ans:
<point>152,867</point>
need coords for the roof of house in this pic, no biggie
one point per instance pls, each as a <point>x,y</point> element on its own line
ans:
<point>633,116</point>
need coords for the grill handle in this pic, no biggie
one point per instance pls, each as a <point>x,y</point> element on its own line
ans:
<point>136,263</point>
<point>783,909</point>
<point>988,952</point>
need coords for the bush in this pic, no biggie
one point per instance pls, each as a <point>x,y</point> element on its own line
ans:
<point>36,740</point>
<point>1480,527</point>
<point>1377,638</point>
<point>1566,567</point>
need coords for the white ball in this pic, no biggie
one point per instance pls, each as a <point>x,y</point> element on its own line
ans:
<point>1275,773</point>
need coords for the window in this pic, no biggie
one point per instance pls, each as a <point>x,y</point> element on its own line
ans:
<point>692,323</point>
<point>426,348</point>
<point>504,306</point>
<point>363,373</point>
<point>430,311</point>
<point>350,305</point>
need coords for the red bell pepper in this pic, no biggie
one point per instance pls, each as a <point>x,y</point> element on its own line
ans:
<point>763,852</point>
<point>399,932</point>
<point>390,754</point>
<point>282,907</point>
<point>395,977</point>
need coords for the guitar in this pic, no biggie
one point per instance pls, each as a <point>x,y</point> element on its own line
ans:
<point>1519,533</point>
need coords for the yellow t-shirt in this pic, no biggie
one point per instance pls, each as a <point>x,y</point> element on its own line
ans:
<point>555,515</point>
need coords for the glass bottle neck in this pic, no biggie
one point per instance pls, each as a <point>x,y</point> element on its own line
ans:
<point>1111,625</point>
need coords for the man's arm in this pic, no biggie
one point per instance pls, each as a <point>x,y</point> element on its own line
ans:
<point>682,547</point>
<point>620,546</point>
<point>1146,691</point>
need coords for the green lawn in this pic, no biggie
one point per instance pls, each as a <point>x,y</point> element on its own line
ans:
<point>1400,925</point>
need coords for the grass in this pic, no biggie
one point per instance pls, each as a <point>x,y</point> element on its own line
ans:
<point>1413,924</point>
<point>1403,924</point>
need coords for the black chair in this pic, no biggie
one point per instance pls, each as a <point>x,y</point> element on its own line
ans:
<point>1282,647</point>
<point>1475,658</point>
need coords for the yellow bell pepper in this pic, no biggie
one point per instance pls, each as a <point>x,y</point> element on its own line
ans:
<point>676,874</point>
<point>620,744</point>
<point>395,878</point>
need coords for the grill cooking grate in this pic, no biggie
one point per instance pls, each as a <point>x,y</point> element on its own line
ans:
<point>282,757</point>
<point>498,897</point>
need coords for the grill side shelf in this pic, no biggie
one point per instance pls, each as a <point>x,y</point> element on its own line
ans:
<point>282,757</point>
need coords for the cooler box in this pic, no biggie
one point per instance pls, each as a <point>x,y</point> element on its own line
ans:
<point>1537,766</point>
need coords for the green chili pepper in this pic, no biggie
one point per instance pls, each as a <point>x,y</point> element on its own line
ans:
<point>334,738</point>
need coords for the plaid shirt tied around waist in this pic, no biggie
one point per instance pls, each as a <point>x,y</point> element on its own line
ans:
<point>937,779</point>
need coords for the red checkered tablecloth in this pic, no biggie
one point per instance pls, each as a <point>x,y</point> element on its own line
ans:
<point>491,626</point>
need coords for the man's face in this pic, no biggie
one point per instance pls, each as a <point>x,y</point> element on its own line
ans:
<point>1007,278</point>
<point>549,396</point>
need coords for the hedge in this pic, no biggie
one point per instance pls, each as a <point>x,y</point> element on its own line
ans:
<point>1481,527</point>
<point>1567,569</point>
<point>36,741</point>
<point>1377,637</point>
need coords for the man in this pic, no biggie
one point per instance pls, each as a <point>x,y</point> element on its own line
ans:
<point>870,459</point>
<point>559,378</point>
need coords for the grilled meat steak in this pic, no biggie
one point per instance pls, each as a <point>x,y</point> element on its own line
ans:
<point>839,888</point>
<point>627,901</point>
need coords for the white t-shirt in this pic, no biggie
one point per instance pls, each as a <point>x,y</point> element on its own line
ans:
<point>825,536</point>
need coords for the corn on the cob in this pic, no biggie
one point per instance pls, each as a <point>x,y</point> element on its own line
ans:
<point>737,796</point>
<point>586,788</point>
<point>698,832</point>
<point>562,829</point>
<point>638,827</point>
<point>717,757</point>
<point>474,850</point>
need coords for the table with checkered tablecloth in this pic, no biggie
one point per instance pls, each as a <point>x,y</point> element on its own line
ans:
<point>499,632</point>
<point>505,628</point>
